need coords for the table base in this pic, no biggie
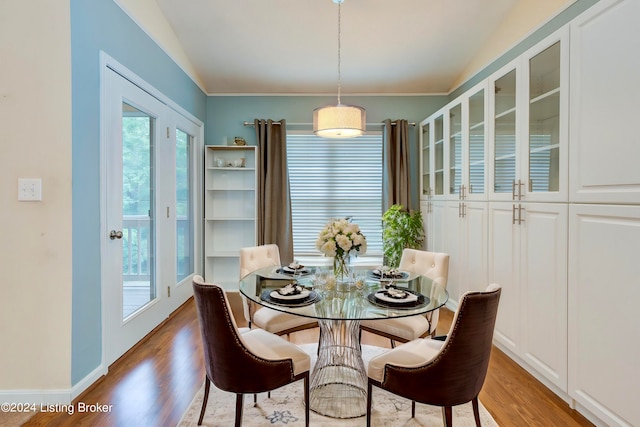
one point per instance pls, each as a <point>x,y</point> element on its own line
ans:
<point>339,380</point>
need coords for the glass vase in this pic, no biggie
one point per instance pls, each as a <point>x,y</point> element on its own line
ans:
<point>342,268</point>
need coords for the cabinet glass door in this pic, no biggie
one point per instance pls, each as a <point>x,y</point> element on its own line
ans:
<point>476,149</point>
<point>438,153</point>
<point>455,150</point>
<point>426,159</point>
<point>544,120</point>
<point>505,133</point>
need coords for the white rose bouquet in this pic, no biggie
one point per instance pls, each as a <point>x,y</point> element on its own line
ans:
<point>339,239</point>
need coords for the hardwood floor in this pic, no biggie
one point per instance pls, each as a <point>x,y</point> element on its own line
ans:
<point>153,384</point>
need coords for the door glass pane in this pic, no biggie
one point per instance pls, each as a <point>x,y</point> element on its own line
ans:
<point>544,120</point>
<point>438,147</point>
<point>138,275</point>
<point>476,143</point>
<point>426,158</point>
<point>505,133</point>
<point>184,207</point>
<point>455,149</point>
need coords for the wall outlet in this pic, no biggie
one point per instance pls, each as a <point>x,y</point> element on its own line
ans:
<point>30,189</point>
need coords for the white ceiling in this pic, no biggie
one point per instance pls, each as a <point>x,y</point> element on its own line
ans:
<point>291,46</point>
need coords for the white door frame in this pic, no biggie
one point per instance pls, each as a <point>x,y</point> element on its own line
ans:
<point>186,122</point>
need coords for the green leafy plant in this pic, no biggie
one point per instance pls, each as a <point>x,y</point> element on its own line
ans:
<point>401,228</point>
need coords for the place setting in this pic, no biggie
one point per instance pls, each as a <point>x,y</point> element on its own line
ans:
<point>294,269</point>
<point>392,296</point>
<point>386,273</point>
<point>290,295</point>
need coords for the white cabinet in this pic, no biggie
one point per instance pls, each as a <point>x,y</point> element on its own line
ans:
<point>432,162</point>
<point>528,257</point>
<point>605,146</point>
<point>529,125</point>
<point>453,143</point>
<point>230,210</point>
<point>604,327</point>
<point>466,243</point>
<point>433,217</point>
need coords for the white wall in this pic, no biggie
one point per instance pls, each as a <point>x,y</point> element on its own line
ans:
<point>35,243</point>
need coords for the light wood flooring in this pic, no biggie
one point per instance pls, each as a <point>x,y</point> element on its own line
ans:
<point>153,384</point>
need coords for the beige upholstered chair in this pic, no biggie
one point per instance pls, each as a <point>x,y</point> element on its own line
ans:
<point>434,265</point>
<point>240,363</point>
<point>274,321</point>
<point>442,373</point>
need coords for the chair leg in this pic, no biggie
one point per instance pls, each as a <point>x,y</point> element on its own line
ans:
<point>306,400</point>
<point>207,385</point>
<point>393,344</point>
<point>238,410</point>
<point>476,411</point>
<point>369,390</point>
<point>255,399</point>
<point>447,417</point>
<point>413,409</point>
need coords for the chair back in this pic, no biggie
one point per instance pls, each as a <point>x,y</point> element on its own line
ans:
<point>256,257</point>
<point>229,364</point>
<point>434,265</point>
<point>457,373</point>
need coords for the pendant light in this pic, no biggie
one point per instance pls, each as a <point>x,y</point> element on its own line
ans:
<point>340,120</point>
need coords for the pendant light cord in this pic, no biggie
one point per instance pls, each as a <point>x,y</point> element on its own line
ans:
<point>339,31</point>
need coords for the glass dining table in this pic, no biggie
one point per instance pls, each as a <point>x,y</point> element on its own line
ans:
<point>338,383</point>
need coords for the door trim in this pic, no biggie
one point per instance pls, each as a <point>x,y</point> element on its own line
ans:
<point>107,65</point>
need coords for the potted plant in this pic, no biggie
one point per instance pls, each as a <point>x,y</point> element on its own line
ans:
<point>401,228</point>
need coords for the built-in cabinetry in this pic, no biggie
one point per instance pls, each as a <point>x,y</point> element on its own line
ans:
<point>529,126</point>
<point>454,156</point>
<point>230,210</point>
<point>528,207</point>
<point>504,201</point>
<point>528,258</point>
<point>562,208</point>
<point>604,213</point>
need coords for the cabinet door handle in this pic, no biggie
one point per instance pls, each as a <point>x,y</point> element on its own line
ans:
<point>513,190</point>
<point>459,210</point>
<point>520,219</point>
<point>464,210</point>
<point>513,215</point>
<point>520,185</point>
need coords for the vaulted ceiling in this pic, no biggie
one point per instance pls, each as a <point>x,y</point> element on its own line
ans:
<point>387,47</point>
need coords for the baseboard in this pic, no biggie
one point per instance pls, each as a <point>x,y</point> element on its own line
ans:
<point>52,396</point>
<point>82,385</point>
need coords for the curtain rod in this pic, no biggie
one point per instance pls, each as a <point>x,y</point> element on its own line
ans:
<point>311,124</point>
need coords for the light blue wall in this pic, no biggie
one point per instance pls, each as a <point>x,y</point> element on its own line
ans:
<point>101,25</point>
<point>225,115</point>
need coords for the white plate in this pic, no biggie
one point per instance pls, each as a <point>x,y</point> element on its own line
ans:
<point>409,298</point>
<point>301,295</point>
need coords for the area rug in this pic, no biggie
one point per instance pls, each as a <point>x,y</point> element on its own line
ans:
<point>285,408</point>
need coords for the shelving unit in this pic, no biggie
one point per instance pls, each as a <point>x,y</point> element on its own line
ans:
<point>230,210</point>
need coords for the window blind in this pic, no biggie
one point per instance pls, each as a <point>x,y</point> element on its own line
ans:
<point>334,178</point>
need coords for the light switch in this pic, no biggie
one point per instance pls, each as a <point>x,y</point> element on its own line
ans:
<point>30,189</point>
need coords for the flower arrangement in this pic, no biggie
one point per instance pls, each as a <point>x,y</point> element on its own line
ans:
<point>339,239</point>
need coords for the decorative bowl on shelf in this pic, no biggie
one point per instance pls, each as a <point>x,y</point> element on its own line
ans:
<point>238,163</point>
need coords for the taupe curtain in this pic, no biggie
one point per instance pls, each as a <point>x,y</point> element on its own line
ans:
<point>274,200</point>
<point>396,179</point>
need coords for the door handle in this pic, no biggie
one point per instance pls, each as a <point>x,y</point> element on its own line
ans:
<point>113,234</point>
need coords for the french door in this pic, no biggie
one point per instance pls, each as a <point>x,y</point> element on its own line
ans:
<point>150,211</point>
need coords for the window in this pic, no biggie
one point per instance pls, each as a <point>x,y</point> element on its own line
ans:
<point>184,206</point>
<point>335,178</point>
